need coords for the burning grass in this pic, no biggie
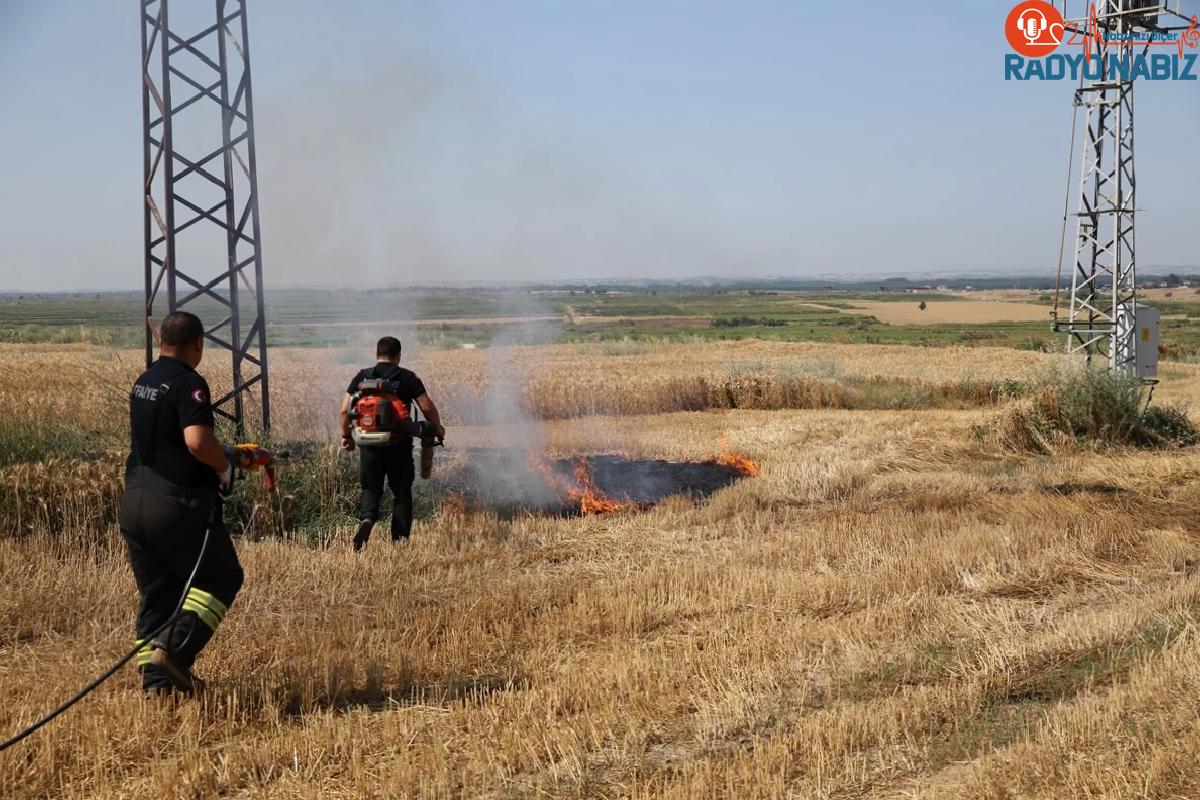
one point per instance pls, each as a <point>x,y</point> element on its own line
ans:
<point>887,609</point>
<point>513,482</point>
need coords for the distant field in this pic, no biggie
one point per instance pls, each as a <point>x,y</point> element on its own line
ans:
<point>957,312</point>
<point>1180,294</point>
<point>451,318</point>
<point>426,323</point>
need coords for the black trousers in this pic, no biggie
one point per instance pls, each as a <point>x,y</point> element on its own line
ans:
<point>395,463</point>
<point>163,530</point>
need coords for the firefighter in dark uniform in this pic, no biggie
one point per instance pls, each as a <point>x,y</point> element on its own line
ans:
<point>173,475</point>
<point>393,461</point>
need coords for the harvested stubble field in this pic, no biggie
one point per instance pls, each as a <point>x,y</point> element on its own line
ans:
<point>941,312</point>
<point>893,607</point>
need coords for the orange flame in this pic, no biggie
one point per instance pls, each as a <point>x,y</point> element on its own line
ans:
<point>591,500</point>
<point>730,458</point>
<point>745,466</point>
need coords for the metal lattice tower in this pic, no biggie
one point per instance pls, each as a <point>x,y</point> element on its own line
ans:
<point>202,235</point>
<point>1101,321</point>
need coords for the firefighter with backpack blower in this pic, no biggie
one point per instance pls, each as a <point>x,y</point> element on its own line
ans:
<point>170,512</point>
<point>378,419</point>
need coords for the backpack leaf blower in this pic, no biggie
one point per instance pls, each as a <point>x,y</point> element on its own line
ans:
<point>380,417</point>
<point>378,413</point>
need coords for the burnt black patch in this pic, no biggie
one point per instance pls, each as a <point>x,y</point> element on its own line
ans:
<point>511,482</point>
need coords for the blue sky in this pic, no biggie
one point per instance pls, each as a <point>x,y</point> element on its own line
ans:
<point>428,141</point>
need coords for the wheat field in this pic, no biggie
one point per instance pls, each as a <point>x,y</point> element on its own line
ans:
<point>894,607</point>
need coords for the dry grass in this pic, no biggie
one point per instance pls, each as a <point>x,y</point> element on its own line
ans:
<point>888,610</point>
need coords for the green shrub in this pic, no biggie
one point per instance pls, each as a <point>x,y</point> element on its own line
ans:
<point>1170,425</point>
<point>1097,409</point>
<point>745,321</point>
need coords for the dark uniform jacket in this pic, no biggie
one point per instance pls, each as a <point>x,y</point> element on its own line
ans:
<point>167,398</point>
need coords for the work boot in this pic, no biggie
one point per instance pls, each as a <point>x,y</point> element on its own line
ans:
<point>401,528</point>
<point>169,666</point>
<point>163,675</point>
<point>364,533</point>
<point>155,680</point>
<point>186,637</point>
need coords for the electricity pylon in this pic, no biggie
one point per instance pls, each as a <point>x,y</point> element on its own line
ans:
<point>201,186</point>
<point>1102,321</point>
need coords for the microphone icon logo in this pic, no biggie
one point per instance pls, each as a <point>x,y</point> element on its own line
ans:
<point>1032,25</point>
<point>1035,28</point>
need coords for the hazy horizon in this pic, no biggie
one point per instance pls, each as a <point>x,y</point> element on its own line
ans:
<point>413,143</point>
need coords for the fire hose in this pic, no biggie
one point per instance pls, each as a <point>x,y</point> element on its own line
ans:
<point>245,457</point>
<point>122,661</point>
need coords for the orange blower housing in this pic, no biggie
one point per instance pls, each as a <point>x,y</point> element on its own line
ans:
<point>378,414</point>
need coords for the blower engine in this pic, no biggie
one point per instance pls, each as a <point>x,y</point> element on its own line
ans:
<point>379,417</point>
<point>377,414</point>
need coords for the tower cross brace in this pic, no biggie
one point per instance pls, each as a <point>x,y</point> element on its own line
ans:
<point>201,218</point>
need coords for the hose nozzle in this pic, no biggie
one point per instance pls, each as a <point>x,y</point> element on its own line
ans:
<point>250,457</point>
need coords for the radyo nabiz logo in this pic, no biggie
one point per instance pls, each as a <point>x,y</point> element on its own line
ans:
<point>1036,30</point>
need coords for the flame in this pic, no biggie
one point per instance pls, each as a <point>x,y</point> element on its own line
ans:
<point>591,500</point>
<point>744,465</point>
<point>581,488</point>
<point>731,458</point>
